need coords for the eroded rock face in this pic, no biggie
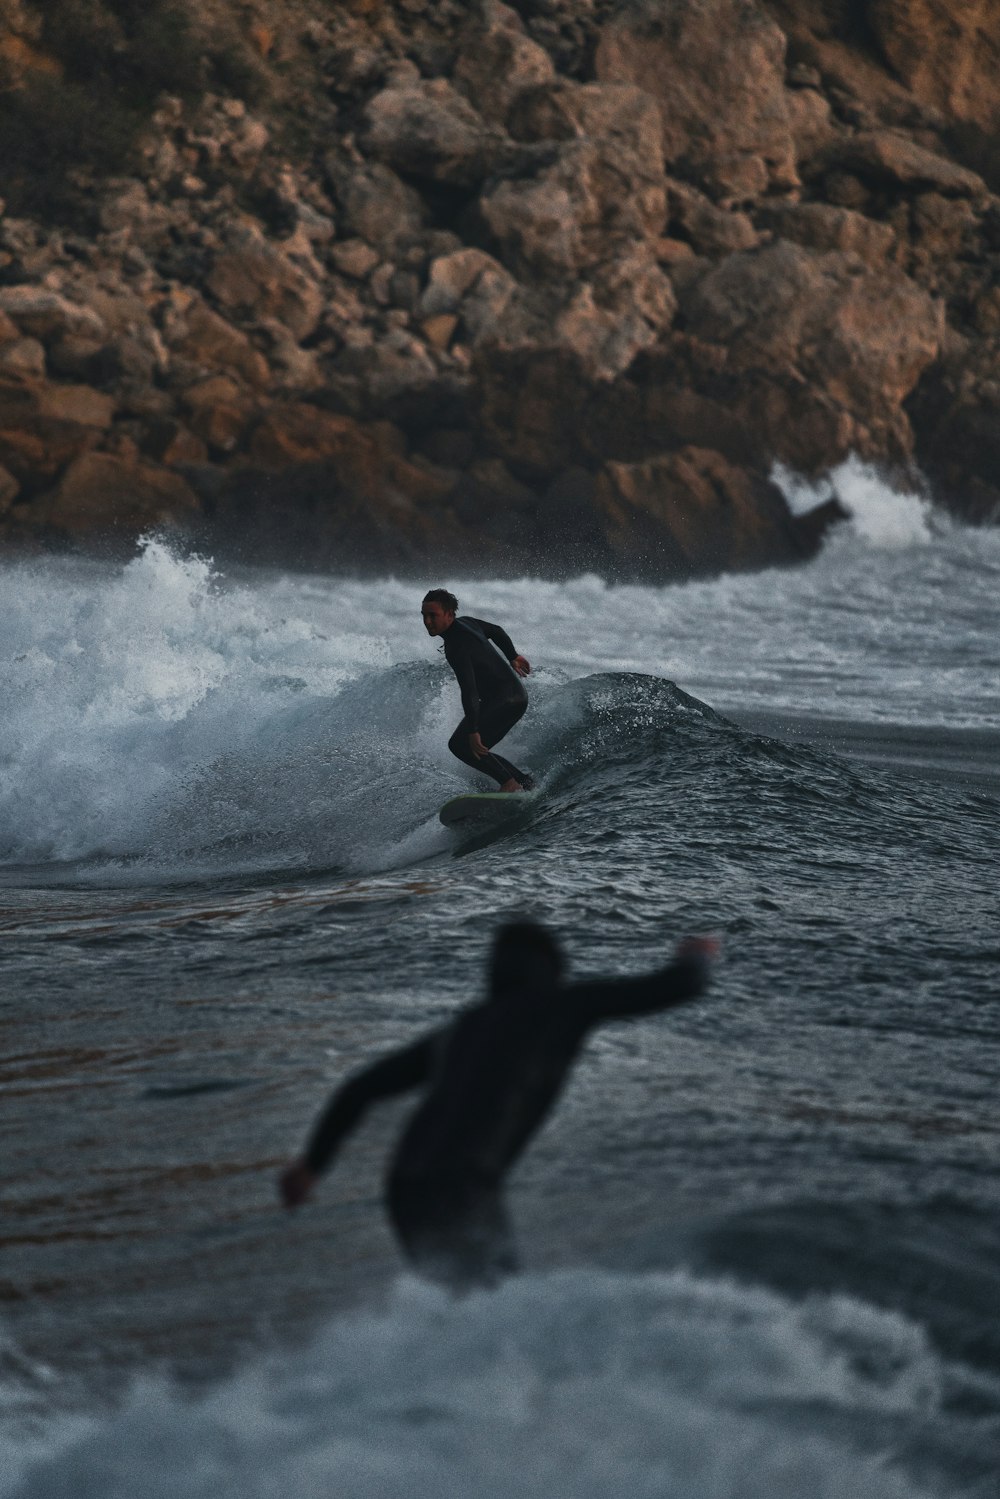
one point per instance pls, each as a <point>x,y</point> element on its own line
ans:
<point>595,266</point>
<point>849,342</point>
<point>498,61</point>
<point>887,158</point>
<point>716,69</point>
<point>947,52</point>
<point>133,494</point>
<point>691,511</point>
<point>429,131</point>
<point>251,275</point>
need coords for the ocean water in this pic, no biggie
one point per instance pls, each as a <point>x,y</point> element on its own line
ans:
<point>761,1236</point>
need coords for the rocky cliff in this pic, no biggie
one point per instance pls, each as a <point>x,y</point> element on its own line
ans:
<point>548,285</point>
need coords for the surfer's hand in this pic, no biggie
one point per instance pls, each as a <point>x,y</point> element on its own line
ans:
<point>476,745</point>
<point>522,666</point>
<point>295,1184</point>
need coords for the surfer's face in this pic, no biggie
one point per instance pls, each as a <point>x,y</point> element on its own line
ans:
<point>437,618</point>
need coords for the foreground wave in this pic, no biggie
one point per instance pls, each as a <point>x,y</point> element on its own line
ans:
<point>572,1385</point>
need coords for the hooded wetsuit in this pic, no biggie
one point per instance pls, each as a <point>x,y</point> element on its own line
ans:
<point>493,695</point>
<point>489,1079</point>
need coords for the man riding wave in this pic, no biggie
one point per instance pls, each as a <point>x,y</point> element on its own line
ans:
<point>493,696</point>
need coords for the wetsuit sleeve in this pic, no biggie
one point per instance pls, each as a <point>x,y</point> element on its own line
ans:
<point>396,1073</point>
<point>499,637</point>
<point>617,999</point>
<point>459,658</point>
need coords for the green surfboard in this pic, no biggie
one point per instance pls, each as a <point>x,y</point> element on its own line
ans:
<point>484,807</point>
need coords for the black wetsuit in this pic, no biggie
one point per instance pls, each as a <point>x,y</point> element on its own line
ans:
<point>493,695</point>
<point>489,1080</point>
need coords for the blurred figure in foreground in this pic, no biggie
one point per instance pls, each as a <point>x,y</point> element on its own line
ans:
<point>488,1080</point>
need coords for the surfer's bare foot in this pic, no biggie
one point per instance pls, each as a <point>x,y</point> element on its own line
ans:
<point>512,785</point>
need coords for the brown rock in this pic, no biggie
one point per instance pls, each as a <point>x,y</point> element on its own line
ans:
<point>691,511</point>
<point>44,314</point>
<point>533,402</point>
<point>431,132</point>
<point>624,310</point>
<point>9,489</point>
<point>206,341</point>
<point>35,442</point>
<point>822,226</point>
<point>986,312</point>
<point>439,331</point>
<point>888,158</point>
<point>366,460</point>
<point>944,230</point>
<point>810,120</point>
<point>79,404</point>
<point>79,357</point>
<point>817,335</point>
<point>127,207</point>
<point>472,283</point>
<point>603,185</point>
<point>172,444</point>
<point>717,69</point>
<point>23,358</point>
<point>104,492</point>
<point>710,230</point>
<point>299,433</point>
<point>354,258</point>
<point>958,441</point>
<point>253,277</point>
<point>375,204</point>
<point>293,368</point>
<point>947,52</point>
<point>497,61</point>
<point>219,412</point>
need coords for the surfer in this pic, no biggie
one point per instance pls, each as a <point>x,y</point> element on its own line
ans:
<point>488,1079</point>
<point>493,696</point>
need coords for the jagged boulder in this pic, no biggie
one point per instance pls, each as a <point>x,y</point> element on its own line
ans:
<point>375,204</point>
<point>887,158</point>
<point>822,351</point>
<point>253,277</point>
<point>44,426</point>
<point>201,342</point>
<point>947,52</point>
<point>599,185</point>
<point>691,511</point>
<point>109,493</point>
<point>717,71</point>
<point>710,230</point>
<point>824,227</point>
<point>430,132</point>
<point>497,61</point>
<point>41,313</point>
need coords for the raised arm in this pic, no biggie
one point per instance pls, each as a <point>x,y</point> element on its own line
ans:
<point>396,1073</point>
<point>685,979</point>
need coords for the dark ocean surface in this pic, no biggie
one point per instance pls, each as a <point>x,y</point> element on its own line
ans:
<point>761,1236</point>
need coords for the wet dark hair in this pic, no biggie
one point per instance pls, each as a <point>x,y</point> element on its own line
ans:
<point>524,955</point>
<point>444,598</point>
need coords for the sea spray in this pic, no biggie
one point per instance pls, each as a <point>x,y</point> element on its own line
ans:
<point>572,1385</point>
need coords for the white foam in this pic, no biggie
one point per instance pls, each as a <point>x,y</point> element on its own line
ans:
<point>576,1385</point>
<point>879,514</point>
<point>160,713</point>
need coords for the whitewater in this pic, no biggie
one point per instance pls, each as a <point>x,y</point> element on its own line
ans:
<point>761,1237</point>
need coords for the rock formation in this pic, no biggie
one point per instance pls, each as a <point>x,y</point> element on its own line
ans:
<point>546,286</point>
